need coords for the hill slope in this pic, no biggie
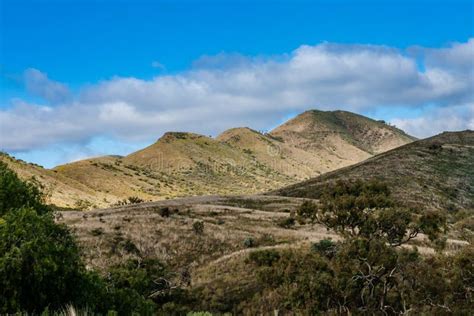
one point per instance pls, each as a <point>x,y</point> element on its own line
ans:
<point>434,173</point>
<point>178,164</point>
<point>59,189</point>
<point>239,161</point>
<point>330,130</point>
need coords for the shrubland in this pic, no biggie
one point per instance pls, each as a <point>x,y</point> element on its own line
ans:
<point>373,268</point>
<point>41,269</point>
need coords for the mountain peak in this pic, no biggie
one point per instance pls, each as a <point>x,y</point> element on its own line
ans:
<point>320,127</point>
<point>174,136</point>
<point>236,132</point>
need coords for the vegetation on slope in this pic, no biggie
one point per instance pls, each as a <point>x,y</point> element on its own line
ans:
<point>365,272</point>
<point>41,269</point>
<point>431,174</point>
<point>359,134</point>
<point>239,161</point>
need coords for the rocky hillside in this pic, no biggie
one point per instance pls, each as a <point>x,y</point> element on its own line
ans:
<point>434,173</point>
<point>239,161</point>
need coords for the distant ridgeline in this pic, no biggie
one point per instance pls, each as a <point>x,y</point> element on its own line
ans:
<point>238,161</point>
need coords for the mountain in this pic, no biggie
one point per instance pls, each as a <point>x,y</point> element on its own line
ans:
<point>316,142</point>
<point>333,130</point>
<point>178,164</point>
<point>433,173</point>
<point>238,161</point>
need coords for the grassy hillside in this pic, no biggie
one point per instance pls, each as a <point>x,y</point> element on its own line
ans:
<point>239,161</point>
<point>178,164</point>
<point>211,241</point>
<point>434,173</point>
<point>330,130</point>
<point>59,189</point>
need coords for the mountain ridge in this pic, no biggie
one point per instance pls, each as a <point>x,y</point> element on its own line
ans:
<point>238,161</point>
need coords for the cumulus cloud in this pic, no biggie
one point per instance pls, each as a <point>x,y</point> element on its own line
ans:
<point>233,90</point>
<point>439,120</point>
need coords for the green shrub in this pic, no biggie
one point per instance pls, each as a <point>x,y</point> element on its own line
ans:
<point>15,194</point>
<point>264,257</point>
<point>249,242</point>
<point>307,209</point>
<point>198,227</point>
<point>97,231</point>
<point>40,263</point>
<point>325,247</point>
<point>287,222</point>
<point>164,211</point>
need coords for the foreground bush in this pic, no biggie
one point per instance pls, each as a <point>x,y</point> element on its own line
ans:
<point>41,268</point>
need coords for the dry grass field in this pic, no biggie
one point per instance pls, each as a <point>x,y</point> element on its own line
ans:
<point>233,226</point>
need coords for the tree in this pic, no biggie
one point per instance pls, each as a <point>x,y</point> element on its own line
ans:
<point>41,268</point>
<point>40,264</point>
<point>367,210</point>
<point>366,272</point>
<point>15,193</point>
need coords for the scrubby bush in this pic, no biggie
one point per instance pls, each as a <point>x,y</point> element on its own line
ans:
<point>15,194</point>
<point>325,247</point>
<point>39,264</point>
<point>41,268</point>
<point>287,222</point>
<point>164,211</point>
<point>367,272</point>
<point>249,242</point>
<point>198,227</point>
<point>129,200</point>
<point>264,257</point>
<point>97,231</point>
<point>306,210</point>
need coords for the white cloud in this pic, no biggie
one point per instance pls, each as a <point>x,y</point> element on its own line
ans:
<point>233,90</point>
<point>38,83</point>
<point>439,120</point>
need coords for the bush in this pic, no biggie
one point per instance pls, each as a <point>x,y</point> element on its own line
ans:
<point>15,194</point>
<point>287,223</point>
<point>97,231</point>
<point>325,247</point>
<point>130,200</point>
<point>249,242</point>
<point>40,263</point>
<point>264,257</point>
<point>198,227</point>
<point>307,209</point>
<point>165,212</point>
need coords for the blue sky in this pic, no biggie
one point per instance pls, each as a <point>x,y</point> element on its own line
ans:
<point>94,77</point>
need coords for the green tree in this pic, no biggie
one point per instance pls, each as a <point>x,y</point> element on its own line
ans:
<point>15,193</point>
<point>367,272</point>
<point>41,268</point>
<point>40,264</point>
<point>367,210</point>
